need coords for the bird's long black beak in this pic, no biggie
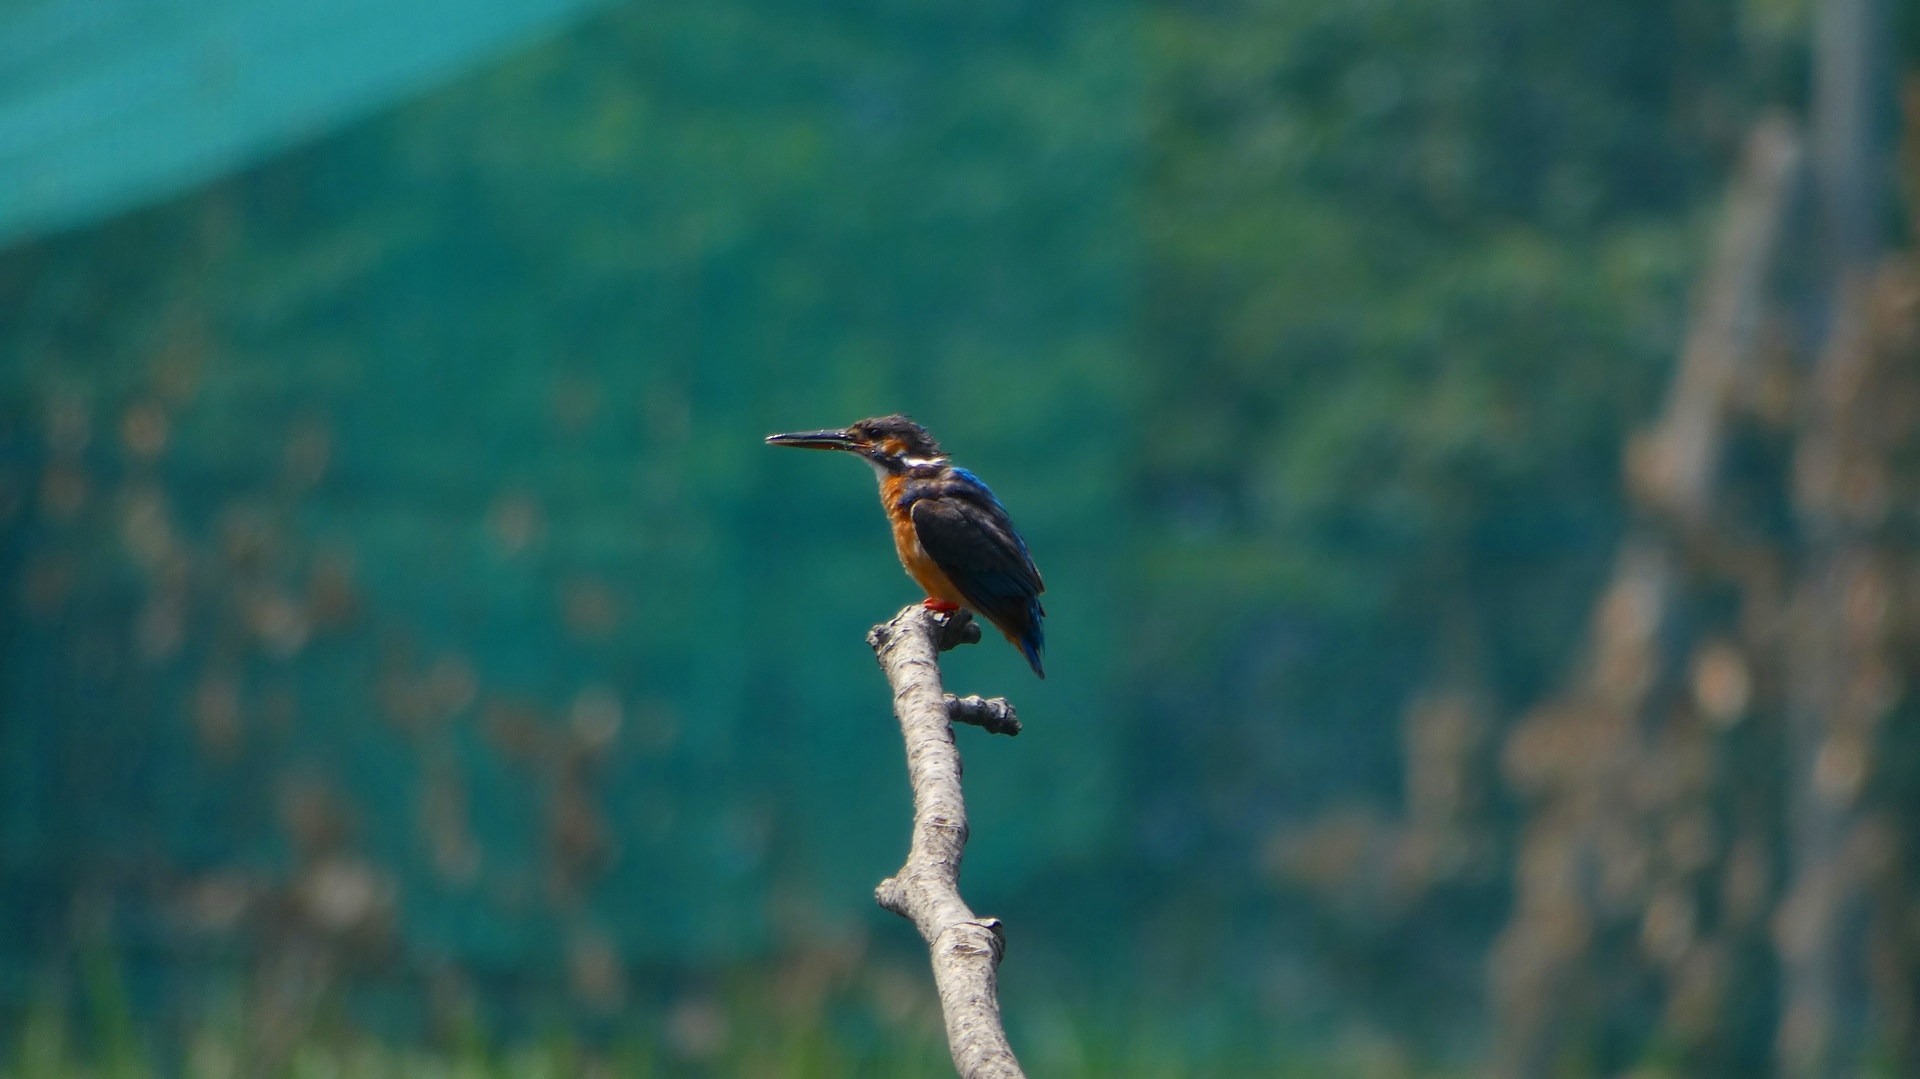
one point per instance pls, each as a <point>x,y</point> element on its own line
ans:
<point>816,440</point>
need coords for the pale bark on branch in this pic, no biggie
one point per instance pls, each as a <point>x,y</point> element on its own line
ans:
<point>965,948</point>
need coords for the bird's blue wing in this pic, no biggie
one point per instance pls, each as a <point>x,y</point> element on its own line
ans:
<point>975,545</point>
<point>976,489</point>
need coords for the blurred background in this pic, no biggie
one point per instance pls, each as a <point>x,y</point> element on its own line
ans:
<point>1473,447</point>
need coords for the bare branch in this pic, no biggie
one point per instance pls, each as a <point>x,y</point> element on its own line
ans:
<point>965,949</point>
<point>991,714</point>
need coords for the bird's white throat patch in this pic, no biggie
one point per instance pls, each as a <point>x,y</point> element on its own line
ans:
<point>911,463</point>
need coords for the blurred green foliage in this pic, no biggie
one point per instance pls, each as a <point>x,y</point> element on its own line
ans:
<point>1411,273</point>
<point>397,571</point>
<point>1422,265</point>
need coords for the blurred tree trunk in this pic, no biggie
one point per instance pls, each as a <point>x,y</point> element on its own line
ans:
<point>1619,855</point>
<point>1782,589</point>
<point>1839,680</point>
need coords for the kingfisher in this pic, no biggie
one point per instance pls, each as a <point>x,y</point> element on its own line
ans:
<point>953,536</point>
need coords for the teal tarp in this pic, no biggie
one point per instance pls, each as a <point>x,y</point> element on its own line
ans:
<point>108,104</point>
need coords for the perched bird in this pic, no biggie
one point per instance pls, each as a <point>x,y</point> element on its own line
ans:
<point>954,538</point>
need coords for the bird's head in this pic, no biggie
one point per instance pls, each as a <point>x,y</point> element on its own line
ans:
<point>891,443</point>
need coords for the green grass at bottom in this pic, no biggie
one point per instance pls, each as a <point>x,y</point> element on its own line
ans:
<point>819,1016</point>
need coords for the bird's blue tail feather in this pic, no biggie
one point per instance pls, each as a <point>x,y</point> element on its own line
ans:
<point>1033,640</point>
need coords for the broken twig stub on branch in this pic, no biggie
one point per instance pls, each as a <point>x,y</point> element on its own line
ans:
<point>965,949</point>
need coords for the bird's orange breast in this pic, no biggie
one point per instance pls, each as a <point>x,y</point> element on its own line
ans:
<point>919,565</point>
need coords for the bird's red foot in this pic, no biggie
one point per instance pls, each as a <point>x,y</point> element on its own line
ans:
<point>941,605</point>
